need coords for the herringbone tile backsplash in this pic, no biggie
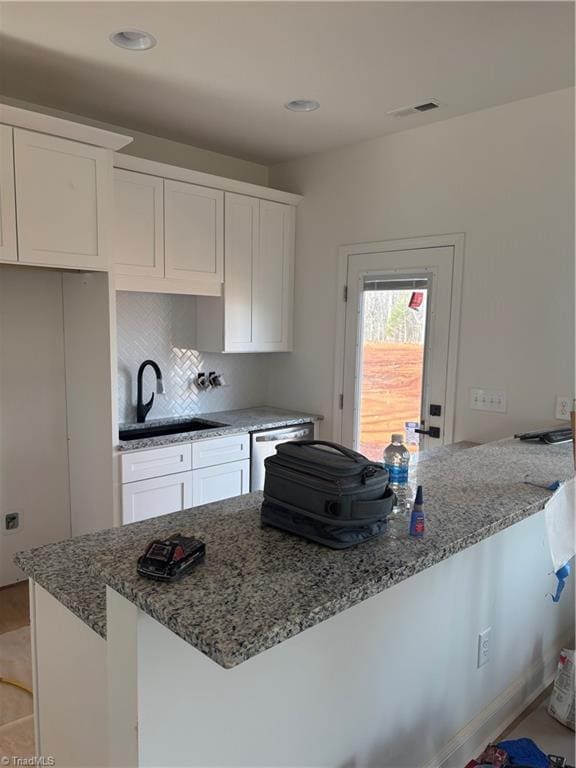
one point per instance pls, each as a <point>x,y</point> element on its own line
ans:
<point>161,327</point>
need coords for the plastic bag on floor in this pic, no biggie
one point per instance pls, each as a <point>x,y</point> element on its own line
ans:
<point>561,704</point>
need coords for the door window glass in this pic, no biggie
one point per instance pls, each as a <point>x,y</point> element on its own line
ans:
<point>392,344</point>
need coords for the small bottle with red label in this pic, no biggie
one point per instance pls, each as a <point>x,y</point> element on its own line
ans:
<point>417,519</point>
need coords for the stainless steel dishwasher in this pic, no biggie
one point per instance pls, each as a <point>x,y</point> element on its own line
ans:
<point>264,444</point>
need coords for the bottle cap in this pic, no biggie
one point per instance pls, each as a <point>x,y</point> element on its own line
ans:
<point>419,495</point>
<point>398,438</point>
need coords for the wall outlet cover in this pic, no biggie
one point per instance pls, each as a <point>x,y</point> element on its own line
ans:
<point>490,400</point>
<point>484,647</point>
<point>563,408</point>
<point>11,522</point>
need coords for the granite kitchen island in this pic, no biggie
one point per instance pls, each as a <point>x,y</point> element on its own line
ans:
<point>279,652</point>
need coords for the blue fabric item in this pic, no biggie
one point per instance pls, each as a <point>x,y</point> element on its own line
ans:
<point>561,574</point>
<point>525,752</point>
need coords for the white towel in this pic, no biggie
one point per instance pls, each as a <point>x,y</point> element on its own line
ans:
<point>559,514</point>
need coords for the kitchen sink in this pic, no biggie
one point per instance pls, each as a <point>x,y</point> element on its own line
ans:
<point>159,430</point>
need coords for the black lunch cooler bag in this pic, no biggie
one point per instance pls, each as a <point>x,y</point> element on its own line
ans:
<point>326,492</point>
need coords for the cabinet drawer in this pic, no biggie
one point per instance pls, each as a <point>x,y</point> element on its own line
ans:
<point>156,462</point>
<point>156,496</point>
<point>220,450</point>
<point>221,482</point>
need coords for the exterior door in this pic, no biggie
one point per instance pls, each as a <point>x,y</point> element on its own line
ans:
<point>397,343</point>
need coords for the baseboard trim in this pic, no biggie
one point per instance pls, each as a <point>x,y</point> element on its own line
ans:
<point>503,710</point>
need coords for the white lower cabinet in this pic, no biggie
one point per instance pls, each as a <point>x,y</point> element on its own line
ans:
<point>156,496</point>
<point>68,666</point>
<point>158,481</point>
<point>156,462</point>
<point>220,482</point>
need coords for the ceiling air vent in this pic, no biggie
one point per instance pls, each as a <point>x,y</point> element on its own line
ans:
<point>426,106</point>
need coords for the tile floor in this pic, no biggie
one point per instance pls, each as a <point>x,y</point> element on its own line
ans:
<point>16,721</point>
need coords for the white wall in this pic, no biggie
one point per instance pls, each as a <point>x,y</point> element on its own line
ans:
<point>505,178</point>
<point>164,150</point>
<point>33,444</point>
<point>387,683</point>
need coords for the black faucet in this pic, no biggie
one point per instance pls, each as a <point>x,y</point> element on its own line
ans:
<point>143,408</point>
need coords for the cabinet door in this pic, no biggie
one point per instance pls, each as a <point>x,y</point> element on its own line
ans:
<point>63,190</point>
<point>222,482</point>
<point>138,247</point>
<point>8,247</point>
<point>193,231</point>
<point>273,278</point>
<point>241,239</point>
<point>157,496</point>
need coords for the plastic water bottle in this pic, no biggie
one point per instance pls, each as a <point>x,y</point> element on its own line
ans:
<point>396,461</point>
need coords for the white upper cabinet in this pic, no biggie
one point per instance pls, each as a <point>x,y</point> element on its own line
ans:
<point>188,232</point>
<point>8,243</point>
<point>193,232</point>
<point>273,278</point>
<point>241,247</point>
<point>63,193</point>
<point>255,313</point>
<point>138,247</point>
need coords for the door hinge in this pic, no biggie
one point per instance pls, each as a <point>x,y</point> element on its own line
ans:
<point>341,401</point>
<point>345,293</point>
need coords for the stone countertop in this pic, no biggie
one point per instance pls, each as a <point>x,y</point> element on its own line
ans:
<point>258,587</point>
<point>441,452</point>
<point>232,422</point>
<point>63,568</point>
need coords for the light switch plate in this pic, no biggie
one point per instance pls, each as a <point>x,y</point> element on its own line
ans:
<point>492,400</point>
<point>563,408</point>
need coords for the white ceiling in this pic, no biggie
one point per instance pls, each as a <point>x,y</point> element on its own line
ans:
<point>221,72</point>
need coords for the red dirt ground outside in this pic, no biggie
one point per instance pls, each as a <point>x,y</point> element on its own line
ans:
<point>391,393</point>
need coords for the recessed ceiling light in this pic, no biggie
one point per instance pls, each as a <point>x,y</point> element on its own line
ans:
<point>133,39</point>
<point>302,105</point>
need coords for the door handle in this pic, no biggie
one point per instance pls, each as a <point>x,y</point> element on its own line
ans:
<point>431,431</point>
<point>282,436</point>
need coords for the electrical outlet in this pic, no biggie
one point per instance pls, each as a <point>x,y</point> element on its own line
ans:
<point>563,408</point>
<point>11,522</point>
<point>493,400</point>
<point>484,647</point>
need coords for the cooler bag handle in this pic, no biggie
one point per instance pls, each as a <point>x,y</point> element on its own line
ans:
<point>336,446</point>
